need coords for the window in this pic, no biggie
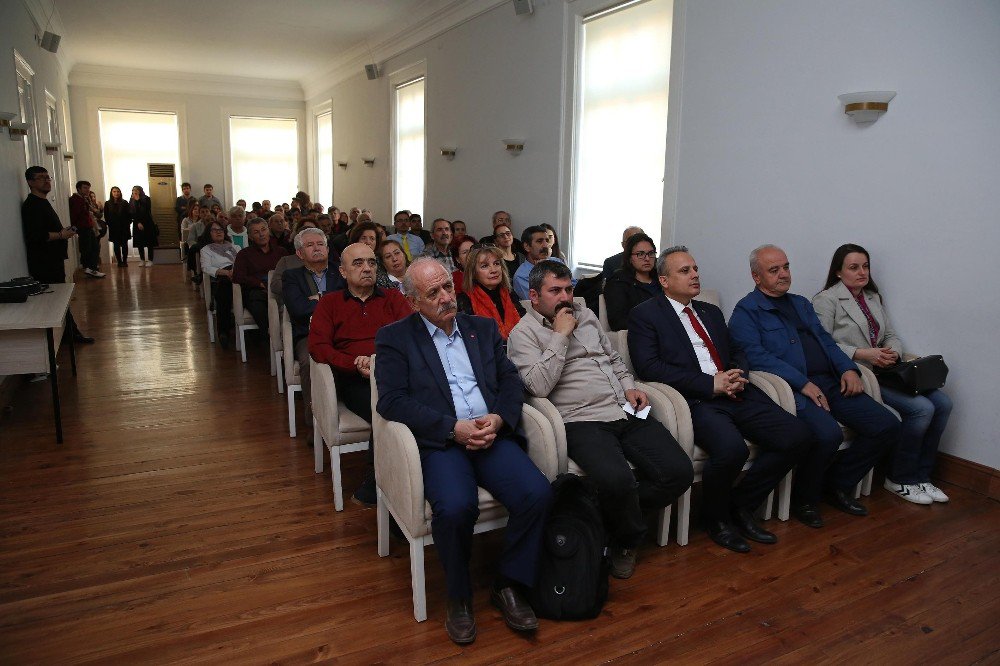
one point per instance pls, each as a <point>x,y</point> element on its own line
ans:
<point>265,158</point>
<point>53,160</point>
<point>132,139</point>
<point>408,180</point>
<point>620,126</point>
<point>26,109</point>
<point>324,158</point>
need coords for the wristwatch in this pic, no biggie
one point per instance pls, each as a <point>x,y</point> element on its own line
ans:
<point>451,435</point>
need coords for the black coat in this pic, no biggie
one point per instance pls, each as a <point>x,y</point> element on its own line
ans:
<point>622,292</point>
<point>141,211</point>
<point>118,217</point>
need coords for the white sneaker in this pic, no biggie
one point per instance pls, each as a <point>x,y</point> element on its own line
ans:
<point>98,274</point>
<point>912,492</point>
<point>149,262</point>
<point>934,492</point>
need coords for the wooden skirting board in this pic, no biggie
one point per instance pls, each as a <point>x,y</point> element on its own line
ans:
<point>967,474</point>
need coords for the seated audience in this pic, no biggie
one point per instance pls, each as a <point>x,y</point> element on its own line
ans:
<point>302,288</point>
<point>499,217</point>
<point>412,245</point>
<point>251,268</point>
<point>393,261</point>
<point>216,210</point>
<point>417,227</point>
<point>614,262</point>
<point>486,290</point>
<point>460,253</point>
<point>564,355</point>
<point>369,233</point>
<point>780,334</point>
<point>218,255</point>
<point>440,247</point>
<point>550,233</point>
<point>684,343</point>
<point>503,238</point>
<point>237,230</point>
<point>537,247</point>
<point>280,232</point>
<point>445,376</point>
<point>633,283</point>
<point>342,335</point>
<point>850,308</point>
<point>458,230</point>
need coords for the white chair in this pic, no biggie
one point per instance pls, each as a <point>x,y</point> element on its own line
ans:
<point>293,382</point>
<point>709,296</point>
<point>602,313</point>
<point>244,321</point>
<point>274,317</point>
<point>206,291</point>
<point>333,423</point>
<point>400,484</point>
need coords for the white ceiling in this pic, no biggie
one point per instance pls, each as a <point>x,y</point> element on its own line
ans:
<point>287,40</point>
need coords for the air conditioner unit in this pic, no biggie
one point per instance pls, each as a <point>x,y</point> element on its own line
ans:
<point>163,195</point>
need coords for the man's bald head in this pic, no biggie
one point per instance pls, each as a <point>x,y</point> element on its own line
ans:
<point>358,266</point>
<point>629,232</point>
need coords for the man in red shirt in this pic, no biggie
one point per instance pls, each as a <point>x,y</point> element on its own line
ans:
<point>250,271</point>
<point>342,335</point>
<point>79,217</point>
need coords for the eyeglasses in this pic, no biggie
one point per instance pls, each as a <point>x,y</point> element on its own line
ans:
<point>644,255</point>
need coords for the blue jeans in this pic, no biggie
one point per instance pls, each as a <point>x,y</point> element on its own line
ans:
<point>924,419</point>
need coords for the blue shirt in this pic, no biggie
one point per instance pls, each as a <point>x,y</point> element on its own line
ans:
<point>319,279</point>
<point>415,243</point>
<point>465,393</point>
<point>521,278</point>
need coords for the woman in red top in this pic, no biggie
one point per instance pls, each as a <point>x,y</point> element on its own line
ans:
<point>486,289</point>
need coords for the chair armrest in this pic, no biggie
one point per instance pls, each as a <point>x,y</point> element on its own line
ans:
<point>238,303</point>
<point>671,409</point>
<point>274,316</point>
<point>398,473</point>
<point>776,388</point>
<point>324,401</point>
<point>288,350</point>
<point>541,441</point>
<point>870,382</point>
<point>545,407</point>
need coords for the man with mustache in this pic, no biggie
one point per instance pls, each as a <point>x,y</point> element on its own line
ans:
<point>780,333</point>
<point>445,375</point>
<point>684,343</point>
<point>537,247</point>
<point>342,335</point>
<point>564,355</point>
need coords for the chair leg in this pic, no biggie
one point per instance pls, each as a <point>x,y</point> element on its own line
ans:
<point>318,446</point>
<point>768,506</point>
<point>785,497</point>
<point>866,485</point>
<point>663,526</point>
<point>243,344</point>
<point>239,338</point>
<point>274,370</point>
<point>683,518</point>
<point>291,413</point>
<point>382,519</point>
<point>211,326</point>
<point>338,481</point>
<point>281,371</point>
<point>417,579</point>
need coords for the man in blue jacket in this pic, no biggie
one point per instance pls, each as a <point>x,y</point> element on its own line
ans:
<point>446,377</point>
<point>780,333</point>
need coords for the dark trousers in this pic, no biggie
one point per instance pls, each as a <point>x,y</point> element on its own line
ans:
<point>876,432</point>
<point>720,426</point>
<point>355,392</point>
<point>301,350</point>
<point>121,252</point>
<point>451,476</point>
<point>90,249</point>
<point>222,294</point>
<point>255,302</point>
<point>604,450</point>
<point>142,254</point>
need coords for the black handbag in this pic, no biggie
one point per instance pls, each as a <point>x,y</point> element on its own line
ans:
<point>914,376</point>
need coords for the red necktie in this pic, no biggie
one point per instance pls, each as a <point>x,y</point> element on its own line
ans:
<point>700,330</point>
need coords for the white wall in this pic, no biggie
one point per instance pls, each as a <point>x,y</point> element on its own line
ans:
<point>767,155</point>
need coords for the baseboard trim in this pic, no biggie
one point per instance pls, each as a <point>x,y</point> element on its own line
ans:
<point>968,474</point>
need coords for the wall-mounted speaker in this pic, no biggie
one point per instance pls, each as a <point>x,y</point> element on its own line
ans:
<point>371,71</point>
<point>50,41</point>
<point>522,7</point>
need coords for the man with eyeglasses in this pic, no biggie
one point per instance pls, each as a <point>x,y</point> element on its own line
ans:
<point>45,239</point>
<point>411,243</point>
<point>342,335</point>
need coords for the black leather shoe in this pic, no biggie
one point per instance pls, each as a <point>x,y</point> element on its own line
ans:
<point>622,562</point>
<point>726,536</point>
<point>80,338</point>
<point>460,625</point>
<point>743,518</point>
<point>516,610</point>
<point>808,514</point>
<point>844,500</point>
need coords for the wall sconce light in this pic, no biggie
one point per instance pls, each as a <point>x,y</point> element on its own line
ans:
<point>18,131</point>
<point>448,152</point>
<point>866,107</point>
<point>68,157</point>
<point>368,161</point>
<point>513,146</point>
<point>51,148</point>
<point>5,118</point>
<point>342,165</point>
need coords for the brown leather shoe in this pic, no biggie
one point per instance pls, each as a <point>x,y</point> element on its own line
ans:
<point>516,610</point>
<point>460,625</point>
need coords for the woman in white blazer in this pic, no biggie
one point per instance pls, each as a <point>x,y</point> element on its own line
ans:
<point>851,309</point>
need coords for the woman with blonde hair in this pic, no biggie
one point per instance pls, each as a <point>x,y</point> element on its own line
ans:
<point>486,289</point>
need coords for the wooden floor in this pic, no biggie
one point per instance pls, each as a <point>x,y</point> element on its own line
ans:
<point>179,523</point>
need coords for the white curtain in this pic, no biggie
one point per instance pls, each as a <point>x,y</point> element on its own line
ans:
<point>621,125</point>
<point>408,182</point>
<point>130,140</point>
<point>265,158</point>
<point>324,158</point>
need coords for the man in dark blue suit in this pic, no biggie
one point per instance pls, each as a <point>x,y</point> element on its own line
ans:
<point>446,376</point>
<point>685,343</point>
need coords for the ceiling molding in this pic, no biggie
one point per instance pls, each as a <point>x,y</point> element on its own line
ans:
<point>117,78</point>
<point>433,18</point>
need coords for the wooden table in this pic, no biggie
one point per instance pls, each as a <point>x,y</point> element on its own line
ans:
<point>30,334</point>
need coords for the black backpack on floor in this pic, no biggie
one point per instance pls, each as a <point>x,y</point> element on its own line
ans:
<point>573,565</point>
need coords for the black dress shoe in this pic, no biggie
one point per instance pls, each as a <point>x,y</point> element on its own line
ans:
<point>808,514</point>
<point>743,518</point>
<point>844,500</point>
<point>726,536</point>
<point>82,339</point>
<point>516,610</point>
<point>460,625</point>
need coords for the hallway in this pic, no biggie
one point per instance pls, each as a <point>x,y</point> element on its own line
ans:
<point>179,523</point>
